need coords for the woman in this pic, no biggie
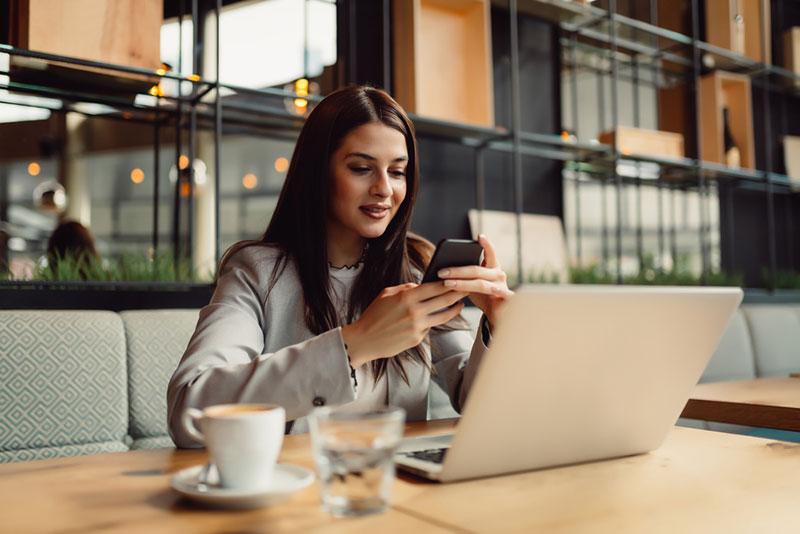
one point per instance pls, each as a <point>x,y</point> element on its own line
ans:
<point>326,308</point>
<point>73,243</point>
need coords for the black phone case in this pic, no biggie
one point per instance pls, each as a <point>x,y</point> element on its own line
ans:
<point>453,253</point>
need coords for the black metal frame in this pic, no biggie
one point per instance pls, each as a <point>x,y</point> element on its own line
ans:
<point>579,25</point>
<point>700,173</point>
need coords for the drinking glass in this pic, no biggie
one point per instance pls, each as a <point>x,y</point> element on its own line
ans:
<point>354,453</point>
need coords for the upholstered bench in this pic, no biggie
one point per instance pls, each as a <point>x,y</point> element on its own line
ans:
<point>84,382</point>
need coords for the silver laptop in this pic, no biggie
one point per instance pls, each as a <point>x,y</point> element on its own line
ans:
<point>578,373</point>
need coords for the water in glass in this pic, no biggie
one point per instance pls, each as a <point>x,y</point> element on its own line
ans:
<point>354,456</point>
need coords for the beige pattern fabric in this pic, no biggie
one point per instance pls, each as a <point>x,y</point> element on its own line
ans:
<point>63,381</point>
<point>156,341</point>
<point>45,453</point>
<point>159,442</point>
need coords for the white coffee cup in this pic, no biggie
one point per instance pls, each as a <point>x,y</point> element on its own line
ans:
<point>243,440</point>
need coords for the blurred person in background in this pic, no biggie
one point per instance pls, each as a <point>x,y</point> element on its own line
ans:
<point>72,242</point>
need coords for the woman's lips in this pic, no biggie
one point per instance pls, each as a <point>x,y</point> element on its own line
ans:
<point>375,212</point>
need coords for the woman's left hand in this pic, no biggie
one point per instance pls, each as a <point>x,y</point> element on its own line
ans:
<point>486,284</point>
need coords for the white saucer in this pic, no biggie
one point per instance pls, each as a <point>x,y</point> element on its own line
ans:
<point>286,480</point>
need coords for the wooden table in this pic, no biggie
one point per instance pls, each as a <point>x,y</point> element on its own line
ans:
<point>698,481</point>
<point>763,402</point>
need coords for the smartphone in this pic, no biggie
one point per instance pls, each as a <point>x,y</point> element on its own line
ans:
<point>453,253</point>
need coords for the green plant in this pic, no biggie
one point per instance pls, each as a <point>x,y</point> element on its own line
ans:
<point>546,277</point>
<point>125,268</point>
<point>591,274</point>
<point>649,273</point>
<point>781,280</point>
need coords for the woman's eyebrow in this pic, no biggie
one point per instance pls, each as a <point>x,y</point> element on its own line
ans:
<point>373,158</point>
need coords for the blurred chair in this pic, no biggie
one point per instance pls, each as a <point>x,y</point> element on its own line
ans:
<point>544,245</point>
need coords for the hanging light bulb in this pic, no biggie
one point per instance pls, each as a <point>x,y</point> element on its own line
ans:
<point>249,180</point>
<point>281,164</point>
<point>158,88</point>
<point>302,89</point>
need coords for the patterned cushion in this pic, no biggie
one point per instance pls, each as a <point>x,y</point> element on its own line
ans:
<point>160,442</point>
<point>25,455</point>
<point>62,380</point>
<point>156,342</point>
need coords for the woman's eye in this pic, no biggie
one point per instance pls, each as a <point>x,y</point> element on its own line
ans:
<point>398,173</point>
<point>359,169</point>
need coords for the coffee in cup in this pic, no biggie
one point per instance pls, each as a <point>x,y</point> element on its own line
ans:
<point>243,440</point>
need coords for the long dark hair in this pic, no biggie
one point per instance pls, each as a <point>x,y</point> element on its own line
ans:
<point>72,242</point>
<point>297,227</point>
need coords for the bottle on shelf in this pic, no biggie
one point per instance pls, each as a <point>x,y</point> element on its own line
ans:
<point>733,156</point>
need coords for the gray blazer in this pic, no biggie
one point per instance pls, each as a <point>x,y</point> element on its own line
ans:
<point>248,348</point>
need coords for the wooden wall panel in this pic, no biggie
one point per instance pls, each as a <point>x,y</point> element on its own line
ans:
<point>125,32</point>
<point>443,58</point>
<point>747,39</point>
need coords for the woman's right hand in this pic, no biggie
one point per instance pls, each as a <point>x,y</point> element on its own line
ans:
<point>398,319</point>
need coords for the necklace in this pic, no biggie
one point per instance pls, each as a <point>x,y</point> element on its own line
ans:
<point>343,267</point>
<point>356,264</point>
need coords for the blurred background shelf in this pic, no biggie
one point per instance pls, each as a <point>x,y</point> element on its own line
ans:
<point>583,70</point>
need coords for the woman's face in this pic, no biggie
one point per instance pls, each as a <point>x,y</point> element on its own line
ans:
<point>368,173</point>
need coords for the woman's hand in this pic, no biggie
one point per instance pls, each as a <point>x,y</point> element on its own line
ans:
<point>486,284</point>
<point>398,319</point>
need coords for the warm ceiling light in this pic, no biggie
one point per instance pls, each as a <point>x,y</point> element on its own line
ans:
<point>34,168</point>
<point>194,77</point>
<point>249,180</point>
<point>163,69</point>
<point>183,161</point>
<point>281,164</point>
<point>299,91</point>
<point>137,175</point>
<point>301,87</point>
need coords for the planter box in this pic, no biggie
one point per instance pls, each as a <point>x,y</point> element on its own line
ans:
<point>717,91</point>
<point>443,59</point>
<point>114,296</point>
<point>644,142</point>
<point>124,32</point>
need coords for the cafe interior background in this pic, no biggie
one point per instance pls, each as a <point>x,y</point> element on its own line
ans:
<point>651,146</point>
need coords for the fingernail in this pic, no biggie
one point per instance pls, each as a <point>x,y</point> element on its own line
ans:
<point>450,283</point>
<point>444,272</point>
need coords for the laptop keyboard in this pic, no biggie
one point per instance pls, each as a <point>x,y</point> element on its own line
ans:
<point>428,455</point>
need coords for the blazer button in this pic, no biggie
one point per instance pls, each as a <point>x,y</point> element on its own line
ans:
<point>318,401</point>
